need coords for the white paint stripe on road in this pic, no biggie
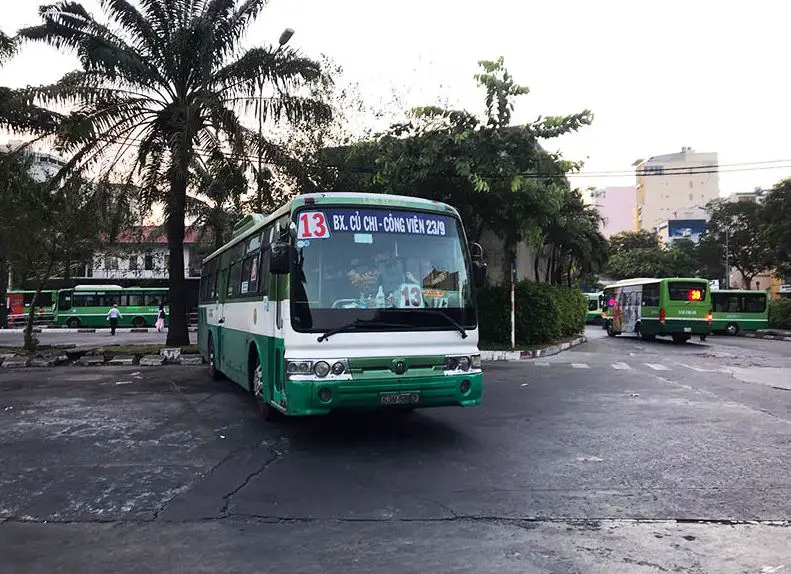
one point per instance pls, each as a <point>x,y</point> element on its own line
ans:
<point>621,367</point>
<point>580,366</point>
<point>699,369</point>
<point>657,367</point>
<point>541,363</point>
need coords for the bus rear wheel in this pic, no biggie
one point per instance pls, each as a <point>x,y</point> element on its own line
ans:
<point>138,322</point>
<point>679,338</point>
<point>269,412</point>
<point>73,323</point>
<point>610,332</point>
<point>647,337</point>
<point>213,371</point>
<point>732,328</point>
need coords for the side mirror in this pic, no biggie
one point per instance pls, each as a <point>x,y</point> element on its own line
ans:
<point>478,265</point>
<point>280,261</point>
<point>292,229</point>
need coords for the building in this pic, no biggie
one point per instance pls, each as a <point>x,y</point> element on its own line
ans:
<point>141,253</point>
<point>673,183</point>
<point>691,227</point>
<point>616,206</point>
<point>43,166</point>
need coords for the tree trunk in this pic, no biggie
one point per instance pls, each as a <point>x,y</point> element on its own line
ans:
<point>31,341</point>
<point>536,274</point>
<point>178,334</point>
<point>548,270</point>
<point>3,294</point>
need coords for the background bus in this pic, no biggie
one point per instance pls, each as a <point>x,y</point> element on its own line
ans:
<point>676,307</point>
<point>18,305</point>
<point>87,305</point>
<point>737,310</point>
<point>346,301</point>
<point>594,308</point>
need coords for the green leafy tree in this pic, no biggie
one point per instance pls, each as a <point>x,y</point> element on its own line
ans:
<point>627,240</point>
<point>749,250</point>
<point>165,81</point>
<point>497,175</point>
<point>710,258</point>
<point>776,226</point>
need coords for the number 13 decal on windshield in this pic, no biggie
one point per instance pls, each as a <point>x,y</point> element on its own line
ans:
<point>312,225</point>
<point>411,296</point>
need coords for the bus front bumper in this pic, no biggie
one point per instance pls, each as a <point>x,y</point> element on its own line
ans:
<point>317,397</point>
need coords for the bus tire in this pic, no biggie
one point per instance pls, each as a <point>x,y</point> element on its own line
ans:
<point>138,322</point>
<point>73,323</point>
<point>647,337</point>
<point>732,328</point>
<point>268,412</point>
<point>678,338</point>
<point>213,371</point>
<point>610,332</point>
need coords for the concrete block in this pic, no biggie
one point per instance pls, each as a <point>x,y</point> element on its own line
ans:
<point>122,360</point>
<point>4,356</point>
<point>48,361</point>
<point>171,353</point>
<point>191,360</point>
<point>16,363</point>
<point>91,360</point>
<point>152,361</point>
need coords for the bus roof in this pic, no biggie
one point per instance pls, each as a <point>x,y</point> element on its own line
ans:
<point>731,291</point>
<point>115,288</point>
<point>341,198</point>
<point>650,280</point>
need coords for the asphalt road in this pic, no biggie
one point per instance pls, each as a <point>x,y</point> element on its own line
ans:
<point>618,456</point>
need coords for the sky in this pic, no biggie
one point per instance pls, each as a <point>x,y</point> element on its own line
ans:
<point>657,76</point>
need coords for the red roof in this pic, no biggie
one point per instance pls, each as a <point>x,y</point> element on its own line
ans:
<point>149,234</point>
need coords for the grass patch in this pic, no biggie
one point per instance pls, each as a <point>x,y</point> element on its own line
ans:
<point>40,350</point>
<point>145,349</point>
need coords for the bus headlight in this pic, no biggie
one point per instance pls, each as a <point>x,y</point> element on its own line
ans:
<point>464,363</point>
<point>475,361</point>
<point>299,367</point>
<point>321,369</point>
<point>338,368</point>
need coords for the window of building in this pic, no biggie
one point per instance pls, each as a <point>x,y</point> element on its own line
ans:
<point>148,262</point>
<point>133,263</point>
<point>691,185</point>
<point>111,262</point>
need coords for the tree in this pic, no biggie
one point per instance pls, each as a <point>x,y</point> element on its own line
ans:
<point>168,79</point>
<point>497,175</point>
<point>67,220</point>
<point>776,226</point>
<point>627,240</point>
<point>748,249</point>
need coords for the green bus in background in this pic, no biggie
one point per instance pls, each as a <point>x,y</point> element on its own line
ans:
<point>675,307</point>
<point>736,310</point>
<point>346,301</point>
<point>594,314</point>
<point>87,305</point>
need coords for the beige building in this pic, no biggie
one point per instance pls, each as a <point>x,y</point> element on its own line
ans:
<point>671,185</point>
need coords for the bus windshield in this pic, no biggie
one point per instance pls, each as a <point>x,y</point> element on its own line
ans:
<point>400,267</point>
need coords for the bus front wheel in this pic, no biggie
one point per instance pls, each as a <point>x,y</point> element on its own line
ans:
<point>73,323</point>
<point>678,338</point>
<point>610,332</point>
<point>138,322</point>
<point>732,328</point>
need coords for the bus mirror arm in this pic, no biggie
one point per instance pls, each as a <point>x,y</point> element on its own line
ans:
<point>279,264</point>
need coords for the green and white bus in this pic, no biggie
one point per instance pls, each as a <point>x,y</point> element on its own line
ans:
<point>594,307</point>
<point>346,301</point>
<point>736,310</point>
<point>87,305</point>
<point>676,307</point>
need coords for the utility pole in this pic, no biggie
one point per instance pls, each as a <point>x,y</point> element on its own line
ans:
<point>727,262</point>
<point>282,41</point>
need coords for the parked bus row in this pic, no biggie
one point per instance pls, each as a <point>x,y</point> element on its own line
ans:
<point>87,306</point>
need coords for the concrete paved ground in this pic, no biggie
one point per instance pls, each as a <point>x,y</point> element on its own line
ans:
<point>87,340</point>
<point>618,456</point>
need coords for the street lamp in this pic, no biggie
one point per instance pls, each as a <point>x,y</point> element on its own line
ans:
<point>285,36</point>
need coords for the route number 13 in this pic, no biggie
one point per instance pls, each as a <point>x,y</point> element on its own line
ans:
<point>411,296</point>
<point>312,225</point>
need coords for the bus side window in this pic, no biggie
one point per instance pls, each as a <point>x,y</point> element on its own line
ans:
<point>263,273</point>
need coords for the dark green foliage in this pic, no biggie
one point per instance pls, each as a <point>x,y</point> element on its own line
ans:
<point>780,314</point>
<point>544,313</point>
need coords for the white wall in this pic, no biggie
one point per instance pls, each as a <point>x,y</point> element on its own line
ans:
<point>124,255</point>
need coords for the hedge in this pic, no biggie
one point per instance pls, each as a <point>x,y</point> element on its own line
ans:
<point>544,313</point>
<point>780,314</point>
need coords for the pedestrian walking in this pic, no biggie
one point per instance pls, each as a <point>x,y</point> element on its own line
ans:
<point>113,315</point>
<point>160,318</point>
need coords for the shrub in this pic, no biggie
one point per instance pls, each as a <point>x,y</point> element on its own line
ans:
<point>544,313</point>
<point>780,314</point>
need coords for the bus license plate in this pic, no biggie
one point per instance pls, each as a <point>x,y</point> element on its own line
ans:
<point>399,398</point>
<point>687,329</point>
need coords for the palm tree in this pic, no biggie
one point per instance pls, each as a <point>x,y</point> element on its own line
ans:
<point>164,81</point>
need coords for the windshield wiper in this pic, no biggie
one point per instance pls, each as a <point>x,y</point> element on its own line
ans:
<point>449,319</point>
<point>361,323</point>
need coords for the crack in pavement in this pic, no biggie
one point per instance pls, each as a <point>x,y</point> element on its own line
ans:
<point>279,449</point>
<point>523,522</point>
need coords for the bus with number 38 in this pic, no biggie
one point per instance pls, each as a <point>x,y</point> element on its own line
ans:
<point>346,301</point>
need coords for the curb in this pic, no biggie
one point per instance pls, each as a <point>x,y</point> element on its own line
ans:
<point>85,331</point>
<point>493,356</point>
<point>754,335</point>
